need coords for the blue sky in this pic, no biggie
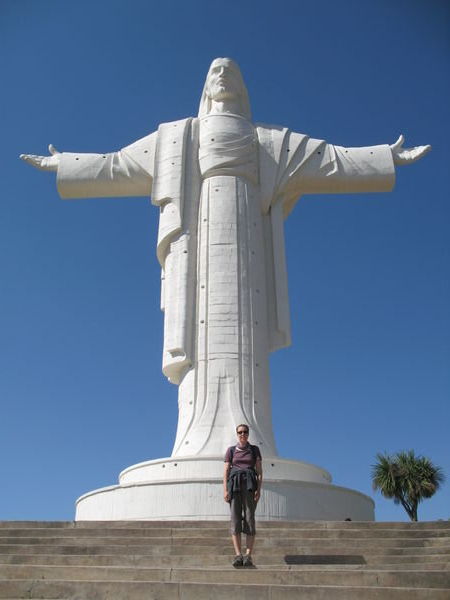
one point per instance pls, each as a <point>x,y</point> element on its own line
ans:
<point>81,390</point>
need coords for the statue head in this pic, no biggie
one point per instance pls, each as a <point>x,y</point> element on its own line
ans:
<point>224,83</point>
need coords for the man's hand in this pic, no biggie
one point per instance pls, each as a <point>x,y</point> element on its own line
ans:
<point>404,156</point>
<point>226,496</point>
<point>257,495</point>
<point>44,163</point>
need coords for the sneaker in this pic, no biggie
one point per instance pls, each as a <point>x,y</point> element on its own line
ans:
<point>247,561</point>
<point>238,561</point>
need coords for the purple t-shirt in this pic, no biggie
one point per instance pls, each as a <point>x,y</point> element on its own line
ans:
<point>243,457</point>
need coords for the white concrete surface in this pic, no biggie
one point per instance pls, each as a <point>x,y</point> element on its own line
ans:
<point>224,186</point>
<point>183,488</point>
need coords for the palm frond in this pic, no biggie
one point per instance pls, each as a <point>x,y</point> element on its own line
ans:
<point>406,478</point>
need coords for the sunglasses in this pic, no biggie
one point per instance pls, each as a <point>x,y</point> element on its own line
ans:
<point>242,432</point>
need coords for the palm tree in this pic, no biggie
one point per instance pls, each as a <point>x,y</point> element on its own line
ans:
<point>406,478</point>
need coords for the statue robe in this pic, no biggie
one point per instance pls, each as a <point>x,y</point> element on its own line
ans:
<point>225,308</point>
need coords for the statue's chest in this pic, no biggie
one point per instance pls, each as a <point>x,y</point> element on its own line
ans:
<point>228,146</point>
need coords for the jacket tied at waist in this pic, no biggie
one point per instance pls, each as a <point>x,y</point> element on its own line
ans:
<point>240,480</point>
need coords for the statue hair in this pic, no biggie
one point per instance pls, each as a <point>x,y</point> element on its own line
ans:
<point>205,102</point>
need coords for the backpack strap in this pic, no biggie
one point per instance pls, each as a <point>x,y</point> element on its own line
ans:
<point>253,450</point>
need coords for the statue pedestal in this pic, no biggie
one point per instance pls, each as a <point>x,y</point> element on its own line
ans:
<point>191,488</point>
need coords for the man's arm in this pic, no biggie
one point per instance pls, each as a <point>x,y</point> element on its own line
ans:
<point>259,476</point>
<point>128,172</point>
<point>226,474</point>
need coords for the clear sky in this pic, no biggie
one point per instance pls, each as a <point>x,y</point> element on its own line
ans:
<point>81,389</point>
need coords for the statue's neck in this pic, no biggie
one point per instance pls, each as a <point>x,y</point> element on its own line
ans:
<point>225,106</point>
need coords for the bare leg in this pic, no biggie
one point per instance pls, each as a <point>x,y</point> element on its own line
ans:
<point>236,537</point>
<point>250,544</point>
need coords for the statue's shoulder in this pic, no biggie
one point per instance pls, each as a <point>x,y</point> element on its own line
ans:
<point>180,123</point>
<point>268,131</point>
<point>271,127</point>
<point>173,137</point>
<point>271,138</point>
<point>275,136</point>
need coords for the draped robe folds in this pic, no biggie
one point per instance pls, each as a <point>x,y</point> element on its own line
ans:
<point>224,192</point>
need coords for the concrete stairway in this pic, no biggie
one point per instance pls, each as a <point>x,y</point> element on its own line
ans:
<point>191,560</point>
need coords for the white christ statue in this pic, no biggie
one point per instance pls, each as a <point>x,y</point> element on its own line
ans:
<point>224,186</point>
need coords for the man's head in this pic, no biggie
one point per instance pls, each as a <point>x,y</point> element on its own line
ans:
<point>224,83</point>
<point>242,432</point>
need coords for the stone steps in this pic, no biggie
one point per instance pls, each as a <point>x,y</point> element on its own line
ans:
<point>224,540</point>
<point>133,590</point>
<point>199,525</point>
<point>183,560</point>
<point>261,575</point>
<point>156,549</point>
<point>328,561</point>
<point>220,533</point>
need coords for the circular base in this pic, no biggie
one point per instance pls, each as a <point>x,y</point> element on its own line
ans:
<point>180,488</point>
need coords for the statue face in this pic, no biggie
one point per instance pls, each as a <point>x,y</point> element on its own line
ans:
<point>223,81</point>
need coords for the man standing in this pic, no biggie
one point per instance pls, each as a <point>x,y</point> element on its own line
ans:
<point>242,480</point>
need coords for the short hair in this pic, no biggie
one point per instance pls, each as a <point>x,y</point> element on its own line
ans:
<point>242,425</point>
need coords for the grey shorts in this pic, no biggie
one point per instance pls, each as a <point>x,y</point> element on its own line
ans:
<point>243,508</point>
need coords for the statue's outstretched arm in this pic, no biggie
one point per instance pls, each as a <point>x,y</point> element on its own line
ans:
<point>404,156</point>
<point>44,163</point>
<point>315,167</point>
<point>127,172</point>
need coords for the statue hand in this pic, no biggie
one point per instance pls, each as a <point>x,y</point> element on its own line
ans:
<point>45,163</point>
<point>404,156</point>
